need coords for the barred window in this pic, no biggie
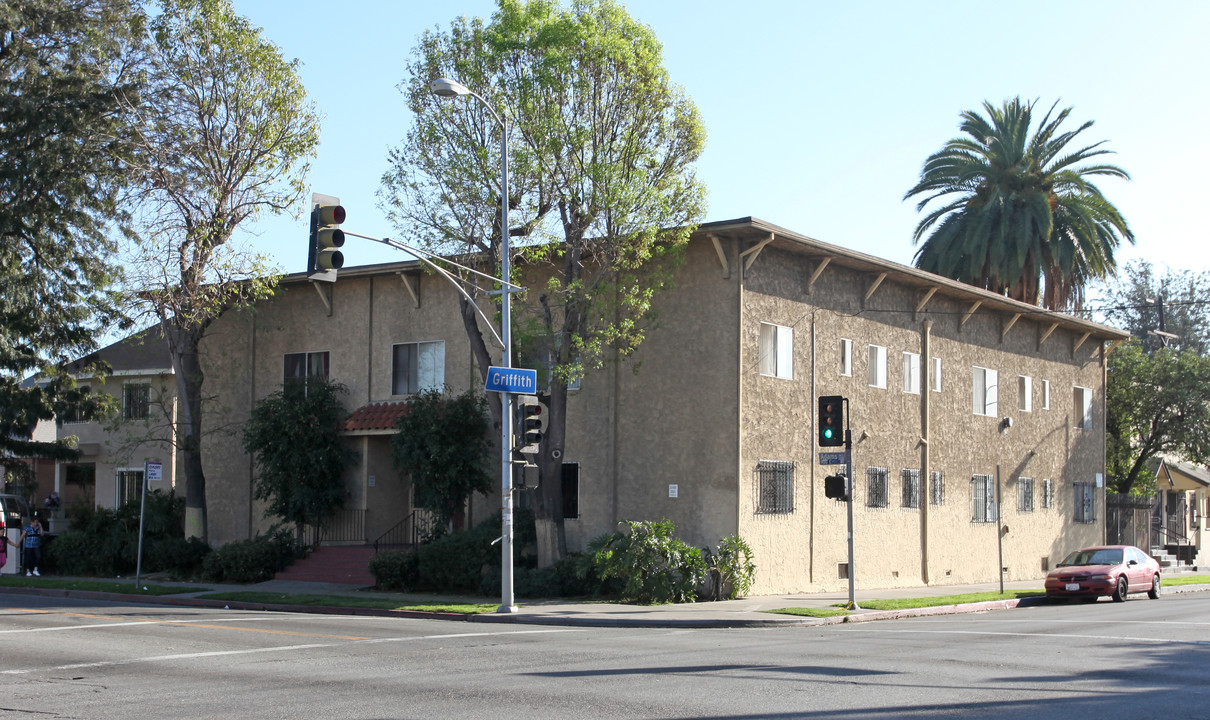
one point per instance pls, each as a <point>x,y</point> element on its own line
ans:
<point>775,486</point>
<point>983,495</point>
<point>1048,496</point>
<point>936,488</point>
<point>1025,495</point>
<point>876,487</point>
<point>1085,503</point>
<point>911,487</point>
<point>136,400</point>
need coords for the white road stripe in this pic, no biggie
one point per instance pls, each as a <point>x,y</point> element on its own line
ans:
<point>287,648</point>
<point>1037,635</point>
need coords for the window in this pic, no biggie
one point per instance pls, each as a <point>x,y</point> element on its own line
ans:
<point>416,367</point>
<point>936,488</point>
<point>1025,393</point>
<point>911,373</point>
<point>876,490</point>
<point>911,487</point>
<point>1048,497</point>
<point>1085,503</point>
<point>846,357</point>
<point>936,377</point>
<point>984,391</point>
<point>136,399</point>
<point>877,366</point>
<point>1082,408</point>
<point>300,366</point>
<point>73,416</point>
<point>130,487</point>
<point>983,496</point>
<point>571,490</point>
<point>1045,394</point>
<point>776,351</point>
<point>775,486</point>
<point>1025,495</point>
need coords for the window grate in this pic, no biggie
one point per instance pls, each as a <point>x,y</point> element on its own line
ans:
<point>936,488</point>
<point>876,487</point>
<point>775,486</point>
<point>1085,503</point>
<point>1025,495</point>
<point>983,497</point>
<point>911,488</point>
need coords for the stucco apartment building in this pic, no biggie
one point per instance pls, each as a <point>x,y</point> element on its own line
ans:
<point>954,394</point>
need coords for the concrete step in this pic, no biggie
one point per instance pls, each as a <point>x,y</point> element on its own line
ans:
<point>348,564</point>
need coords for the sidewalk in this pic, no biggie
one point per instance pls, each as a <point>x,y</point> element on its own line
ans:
<point>745,612</point>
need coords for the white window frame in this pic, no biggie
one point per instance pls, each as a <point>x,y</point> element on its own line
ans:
<point>911,373</point>
<point>1025,393</point>
<point>846,357</point>
<point>876,355</point>
<point>935,380</point>
<point>777,351</point>
<point>1045,394</point>
<point>1081,409</point>
<point>984,391</point>
<point>429,370</point>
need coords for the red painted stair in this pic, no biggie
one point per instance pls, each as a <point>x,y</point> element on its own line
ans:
<point>348,564</point>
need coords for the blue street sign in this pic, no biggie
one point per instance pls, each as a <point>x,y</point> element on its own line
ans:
<point>511,380</point>
<point>832,458</point>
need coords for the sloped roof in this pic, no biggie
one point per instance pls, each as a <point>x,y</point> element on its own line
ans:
<point>144,352</point>
<point>375,418</point>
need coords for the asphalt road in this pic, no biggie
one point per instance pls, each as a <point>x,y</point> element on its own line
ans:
<point>76,659</point>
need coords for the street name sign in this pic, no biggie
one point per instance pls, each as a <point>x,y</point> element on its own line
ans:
<point>511,380</point>
<point>832,458</point>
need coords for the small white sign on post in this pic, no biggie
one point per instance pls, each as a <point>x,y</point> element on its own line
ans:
<point>155,472</point>
<point>673,490</point>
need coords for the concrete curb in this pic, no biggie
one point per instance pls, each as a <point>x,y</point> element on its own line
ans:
<point>649,620</point>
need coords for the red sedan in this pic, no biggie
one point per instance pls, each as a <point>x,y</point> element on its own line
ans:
<point>1114,570</point>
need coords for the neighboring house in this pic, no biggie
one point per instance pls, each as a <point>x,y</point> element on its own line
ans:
<point>113,453</point>
<point>956,395</point>
<point>1175,515</point>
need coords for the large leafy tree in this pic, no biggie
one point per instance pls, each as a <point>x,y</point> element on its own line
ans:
<point>1161,309</point>
<point>225,135</point>
<point>603,148</point>
<point>1156,404</point>
<point>1016,210</point>
<point>293,435</point>
<point>443,443</point>
<point>63,66</point>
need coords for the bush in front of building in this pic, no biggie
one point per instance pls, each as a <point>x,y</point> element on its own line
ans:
<point>460,562</point>
<point>650,562</point>
<point>104,542</point>
<point>251,561</point>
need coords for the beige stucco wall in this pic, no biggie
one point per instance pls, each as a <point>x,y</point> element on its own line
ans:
<point>810,543</point>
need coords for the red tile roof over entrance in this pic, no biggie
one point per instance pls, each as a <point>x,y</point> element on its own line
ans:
<point>376,416</point>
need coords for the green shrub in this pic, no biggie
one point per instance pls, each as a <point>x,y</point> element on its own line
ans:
<point>731,567</point>
<point>397,570</point>
<point>652,565</point>
<point>250,561</point>
<point>104,542</point>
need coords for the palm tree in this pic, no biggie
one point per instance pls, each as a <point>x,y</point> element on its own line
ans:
<point>1020,215</point>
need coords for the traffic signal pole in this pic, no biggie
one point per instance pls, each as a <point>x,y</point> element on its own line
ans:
<point>848,458</point>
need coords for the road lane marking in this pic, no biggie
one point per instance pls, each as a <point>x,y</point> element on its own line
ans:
<point>287,648</point>
<point>154,621</point>
<point>1037,635</point>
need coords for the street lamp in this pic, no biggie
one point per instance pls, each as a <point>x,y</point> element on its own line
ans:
<point>444,87</point>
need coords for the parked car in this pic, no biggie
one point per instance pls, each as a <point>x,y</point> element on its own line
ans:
<point>1114,570</point>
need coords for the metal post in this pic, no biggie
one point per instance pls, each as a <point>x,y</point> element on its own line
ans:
<point>999,533</point>
<point>507,601</point>
<point>138,567</point>
<point>848,458</point>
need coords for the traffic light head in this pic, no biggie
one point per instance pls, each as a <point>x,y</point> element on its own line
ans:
<point>831,420</point>
<point>836,487</point>
<point>326,236</point>
<point>530,424</point>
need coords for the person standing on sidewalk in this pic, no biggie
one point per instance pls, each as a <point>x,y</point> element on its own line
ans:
<point>31,543</point>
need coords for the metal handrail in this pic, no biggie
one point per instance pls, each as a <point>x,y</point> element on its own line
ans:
<point>410,531</point>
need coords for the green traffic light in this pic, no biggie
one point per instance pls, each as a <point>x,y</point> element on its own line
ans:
<point>827,433</point>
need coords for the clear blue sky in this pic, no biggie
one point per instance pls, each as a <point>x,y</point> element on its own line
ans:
<point>819,114</point>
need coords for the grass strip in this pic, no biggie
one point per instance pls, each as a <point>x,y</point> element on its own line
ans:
<point>1187,580</point>
<point>270,598</point>
<point>126,587</point>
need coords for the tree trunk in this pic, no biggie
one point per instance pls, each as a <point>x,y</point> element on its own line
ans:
<point>187,365</point>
